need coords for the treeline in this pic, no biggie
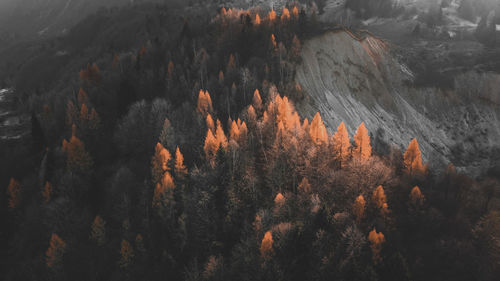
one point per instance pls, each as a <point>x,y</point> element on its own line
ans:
<point>182,160</point>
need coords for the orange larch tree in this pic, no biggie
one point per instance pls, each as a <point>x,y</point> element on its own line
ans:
<point>285,15</point>
<point>359,208</point>
<point>341,145</point>
<point>272,16</point>
<point>376,240</point>
<point>160,162</point>
<point>362,148</point>
<point>317,130</point>
<point>77,158</point>
<point>257,100</point>
<point>204,105</point>
<point>257,19</point>
<point>413,158</point>
<point>55,252</point>
<point>416,196</point>
<point>127,254</point>
<point>266,247</point>
<point>180,170</point>
<point>211,146</point>
<point>163,190</point>
<point>295,12</point>
<point>14,191</point>
<point>220,136</point>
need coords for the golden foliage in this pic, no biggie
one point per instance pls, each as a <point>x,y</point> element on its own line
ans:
<point>160,196</point>
<point>14,191</point>
<point>257,100</point>
<point>55,252</point>
<point>77,157</point>
<point>272,16</point>
<point>180,169</point>
<point>378,197</point>
<point>220,136</point>
<point>285,15</point>
<point>47,192</point>
<point>376,241</point>
<point>204,106</point>
<point>127,254</point>
<point>210,123</point>
<point>413,159</point>
<point>160,162</point>
<point>295,12</point>
<point>416,196</point>
<point>82,96</point>
<point>363,148</point>
<point>279,200</point>
<point>359,208</point>
<point>211,146</point>
<point>317,130</point>
<point>274,44</point>
<point>98,231</point>
<point>266,247</point>
<point>257,19</point>
<point>341,145</point>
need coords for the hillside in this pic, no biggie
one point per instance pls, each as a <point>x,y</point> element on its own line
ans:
<point>355,78</point>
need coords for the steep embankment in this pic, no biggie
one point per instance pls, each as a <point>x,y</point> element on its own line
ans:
<point>354,78</point>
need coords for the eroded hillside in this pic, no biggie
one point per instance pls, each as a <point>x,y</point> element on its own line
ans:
<point>355,78</point>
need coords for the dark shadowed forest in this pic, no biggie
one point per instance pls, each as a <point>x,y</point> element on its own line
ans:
<point>163,146</point>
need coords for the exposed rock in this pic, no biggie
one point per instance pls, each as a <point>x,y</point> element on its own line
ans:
<point>355,78</point>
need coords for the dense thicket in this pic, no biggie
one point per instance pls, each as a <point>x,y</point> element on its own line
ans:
<point>185,159</point>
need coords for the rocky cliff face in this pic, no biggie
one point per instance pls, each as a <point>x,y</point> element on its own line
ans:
<point>355,78</point>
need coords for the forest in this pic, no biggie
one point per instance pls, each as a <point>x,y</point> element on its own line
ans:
<point>181,155</point>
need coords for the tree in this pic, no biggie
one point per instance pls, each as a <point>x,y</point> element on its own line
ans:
<point>416,196</point>
<point>47,192</point>
<point>285,15</point>
<point>279,200</point>
<point>98,231</point>
<point>220,136</point>
<point>163,190</point>
<point>55,252</point>
<point>160,162</point>
<point>257,19</point>
<point>266,247</point>
<point>257,100</point>
<point>14,191</point>
<point>359,208</point>
<point>272,16</point>
<point>211,146</point>
<point>362,148</point>
<point>180,170</point>
<point>77,158</point>
<point>413,159</point>
<point>379,199</point>
<point>127,254</point>
<point>376,240</point>
<point>341,145</point>
<point>317,130</point>
<point>204,106</point>
<point>295,13</point>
